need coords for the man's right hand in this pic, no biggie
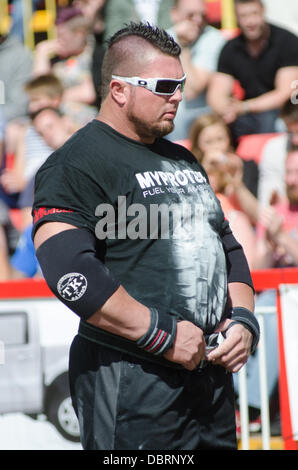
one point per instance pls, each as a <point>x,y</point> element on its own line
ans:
<point>189,346</point>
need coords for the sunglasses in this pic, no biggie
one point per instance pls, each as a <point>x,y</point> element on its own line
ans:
<point>158,86</point>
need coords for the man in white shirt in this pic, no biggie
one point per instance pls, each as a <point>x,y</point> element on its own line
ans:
<point>272,162</point>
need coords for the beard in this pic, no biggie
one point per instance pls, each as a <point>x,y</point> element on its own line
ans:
<point>148,130</point>
<point>292,195</point>
<point>145,129</point>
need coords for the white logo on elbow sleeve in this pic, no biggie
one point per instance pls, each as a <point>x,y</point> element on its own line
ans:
<point>72,286</point>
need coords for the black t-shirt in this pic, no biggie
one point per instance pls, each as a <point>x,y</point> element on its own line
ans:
<point>257,74</point>
<point>99,175</point>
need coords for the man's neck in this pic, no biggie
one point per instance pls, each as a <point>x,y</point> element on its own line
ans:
<point>120,125</point>
<point>255,47</point>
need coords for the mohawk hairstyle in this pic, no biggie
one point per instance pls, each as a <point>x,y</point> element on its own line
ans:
<point>120,49</point>
<point>156,36</point>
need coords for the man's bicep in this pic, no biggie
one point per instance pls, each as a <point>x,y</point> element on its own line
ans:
<point>47,230</point>
<point>285,77</point>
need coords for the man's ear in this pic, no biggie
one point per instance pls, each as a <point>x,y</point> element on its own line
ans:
<point>119,91</point>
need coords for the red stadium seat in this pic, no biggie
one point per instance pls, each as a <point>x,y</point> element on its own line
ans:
<point>250,146</point>
<point>213,11</point>
<point>238,91</point>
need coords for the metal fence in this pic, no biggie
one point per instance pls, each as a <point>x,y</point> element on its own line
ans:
<point>243,401</point>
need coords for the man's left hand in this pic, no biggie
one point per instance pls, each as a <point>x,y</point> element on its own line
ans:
<point>234,351</point>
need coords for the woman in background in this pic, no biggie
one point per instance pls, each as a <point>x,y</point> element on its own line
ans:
<point>210,142</point>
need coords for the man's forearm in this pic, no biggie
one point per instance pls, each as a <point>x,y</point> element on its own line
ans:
<point>241,295</point>
<point>268,101</point>
<point>122,315</point>
<point>197,78</point>
<point>219,94</point>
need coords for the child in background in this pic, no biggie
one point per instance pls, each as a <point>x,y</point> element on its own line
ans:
<point>30,150</point>
<point>52,126</point>
<point>54,130</point>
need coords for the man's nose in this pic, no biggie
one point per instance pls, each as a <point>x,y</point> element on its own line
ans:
<point>196,18</point>
<point>178,95</point>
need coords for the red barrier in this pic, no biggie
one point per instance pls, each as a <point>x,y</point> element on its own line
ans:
<point>24,288</point>
<point>263,279</point>
<point>272,279</point>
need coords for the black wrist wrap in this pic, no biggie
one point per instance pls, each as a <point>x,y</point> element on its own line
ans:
<point>248,320</point>
<point>160,335</point>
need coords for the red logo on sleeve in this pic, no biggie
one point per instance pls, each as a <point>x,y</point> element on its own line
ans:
<point>43,211</point>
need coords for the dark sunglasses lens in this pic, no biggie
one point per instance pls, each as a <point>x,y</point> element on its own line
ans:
<point>166,86</point>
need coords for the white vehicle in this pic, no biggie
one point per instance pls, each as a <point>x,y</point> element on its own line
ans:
<point>35,336</point>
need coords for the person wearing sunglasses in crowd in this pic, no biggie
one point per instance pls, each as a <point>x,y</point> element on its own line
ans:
<point>165,308</point>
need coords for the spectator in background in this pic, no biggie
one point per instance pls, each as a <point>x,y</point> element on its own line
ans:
<point>23,262</point>
<point>210,141</point>
<point>272,162</point>
<point>238,220</point>
<point>45,90</point>
<point>119,12</point>
<point>52,127</point>
<point>93,10</point>
<point>264,59</point>
<point>278,224</point>
<point>201,45</point>
<point>15,71</point>
<point>2,137</point>
<point>8,239</point>
<point>69,57</point>
<point>30,149</point>
<point>277,246</point>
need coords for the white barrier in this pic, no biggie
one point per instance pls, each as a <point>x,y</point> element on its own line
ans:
<point>243,403</point>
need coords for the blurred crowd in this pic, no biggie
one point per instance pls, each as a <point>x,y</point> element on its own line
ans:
<point>241,87</point>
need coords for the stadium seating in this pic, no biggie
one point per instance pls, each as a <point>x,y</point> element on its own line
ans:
<point>250,146</point>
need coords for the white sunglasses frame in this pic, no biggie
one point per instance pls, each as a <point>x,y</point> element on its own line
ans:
<point>151,83</point>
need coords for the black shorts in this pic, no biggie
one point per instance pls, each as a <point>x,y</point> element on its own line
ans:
<point>125,403</point>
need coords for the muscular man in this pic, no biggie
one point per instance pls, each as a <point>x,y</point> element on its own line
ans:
<point>153,292</point>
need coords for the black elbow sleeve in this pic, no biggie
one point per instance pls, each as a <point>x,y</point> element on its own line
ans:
<point>74,273</point>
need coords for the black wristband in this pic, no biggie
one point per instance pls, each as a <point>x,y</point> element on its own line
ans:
<point>160,335</point>
<point>246,318</point>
